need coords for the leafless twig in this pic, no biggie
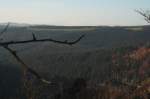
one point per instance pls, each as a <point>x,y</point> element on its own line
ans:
<point>25,66</point>
<point>42,40</point>
<point>145,14</point>
<point>5,29</point>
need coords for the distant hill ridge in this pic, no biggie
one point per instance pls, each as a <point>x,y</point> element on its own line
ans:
<point>61,26</point>
<point>96,36</point>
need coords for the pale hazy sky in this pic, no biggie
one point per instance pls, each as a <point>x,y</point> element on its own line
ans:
<point>73,12</point>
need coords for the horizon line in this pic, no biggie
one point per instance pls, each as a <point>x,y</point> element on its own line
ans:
<point>37,24</point>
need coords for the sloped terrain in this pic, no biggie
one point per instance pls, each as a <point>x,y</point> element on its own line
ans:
<point>105,54</point>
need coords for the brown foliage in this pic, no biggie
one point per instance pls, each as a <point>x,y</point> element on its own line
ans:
<point>140,53</point>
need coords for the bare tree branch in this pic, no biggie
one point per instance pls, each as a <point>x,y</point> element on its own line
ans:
<point>145,14</point>
<point>5,29</point>
<point>42,40</point>
<point>33,35</point>
<point>25,66</point>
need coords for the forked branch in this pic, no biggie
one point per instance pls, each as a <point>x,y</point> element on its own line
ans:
<point>42,40</point>
<point>145,14</point>
<point>25,66</point>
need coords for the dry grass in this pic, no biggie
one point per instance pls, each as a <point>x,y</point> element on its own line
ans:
<point>79,89</point>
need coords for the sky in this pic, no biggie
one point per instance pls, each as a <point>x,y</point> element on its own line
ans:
<point>73,12</point>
